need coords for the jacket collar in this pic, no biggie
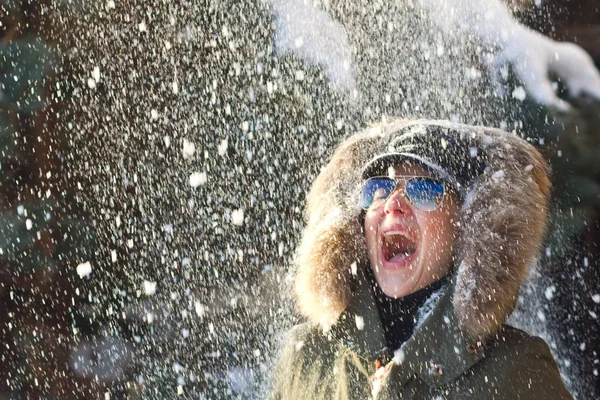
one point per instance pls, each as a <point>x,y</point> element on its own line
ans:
<point>438,352</point>
<point>359,327</point>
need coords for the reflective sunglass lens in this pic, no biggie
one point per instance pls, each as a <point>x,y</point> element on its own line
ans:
<point>425,193</point>
<point>376,190</point>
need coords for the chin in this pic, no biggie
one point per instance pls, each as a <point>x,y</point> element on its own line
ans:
<point>396,291</point>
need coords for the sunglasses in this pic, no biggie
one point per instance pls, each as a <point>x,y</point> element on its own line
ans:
<point>424,192</point>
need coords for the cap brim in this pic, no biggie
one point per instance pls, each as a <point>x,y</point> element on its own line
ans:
<point>380,164</point>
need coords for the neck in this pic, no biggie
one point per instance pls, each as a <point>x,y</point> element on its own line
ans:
<point>399,315</point>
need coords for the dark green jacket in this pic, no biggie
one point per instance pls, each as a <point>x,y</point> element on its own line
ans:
<point>437,362</point>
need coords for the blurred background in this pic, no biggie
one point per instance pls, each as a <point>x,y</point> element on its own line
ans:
<point>155,157</point>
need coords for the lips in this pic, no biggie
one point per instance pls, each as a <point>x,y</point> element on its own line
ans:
<point>398,247</point>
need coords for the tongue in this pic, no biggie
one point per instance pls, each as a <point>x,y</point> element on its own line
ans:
<point>398,247</point>
<point>400,257</point>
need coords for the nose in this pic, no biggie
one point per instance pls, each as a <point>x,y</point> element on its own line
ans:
<point>397,203</point>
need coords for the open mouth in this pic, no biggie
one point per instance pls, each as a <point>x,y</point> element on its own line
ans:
<point>398,247</point>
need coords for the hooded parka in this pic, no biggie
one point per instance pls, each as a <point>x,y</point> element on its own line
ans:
<point>460,348</point>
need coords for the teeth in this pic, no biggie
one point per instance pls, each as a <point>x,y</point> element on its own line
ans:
<point>394,233</point>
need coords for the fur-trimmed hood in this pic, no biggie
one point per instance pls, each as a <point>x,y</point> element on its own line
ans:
<point>503,221</point>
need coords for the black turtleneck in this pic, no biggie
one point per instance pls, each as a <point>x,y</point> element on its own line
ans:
<point>399,316</point>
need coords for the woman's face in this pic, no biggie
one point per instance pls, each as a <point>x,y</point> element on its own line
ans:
<point>409,248</point>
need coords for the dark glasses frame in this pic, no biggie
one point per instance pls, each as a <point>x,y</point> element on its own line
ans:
<point>406,179</point>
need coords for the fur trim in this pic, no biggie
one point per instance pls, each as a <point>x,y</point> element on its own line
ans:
<point>503,224</point>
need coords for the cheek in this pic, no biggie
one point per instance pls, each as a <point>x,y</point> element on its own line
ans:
<point>371,220</point>
<point>438,229</point>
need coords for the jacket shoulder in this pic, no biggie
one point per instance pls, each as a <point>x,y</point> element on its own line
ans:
<point>510,341</point>
<point>523,365</point>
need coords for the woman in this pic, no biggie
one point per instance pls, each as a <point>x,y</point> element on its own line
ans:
<point>419,236</point>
